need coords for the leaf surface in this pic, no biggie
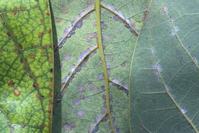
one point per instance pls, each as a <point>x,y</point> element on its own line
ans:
<point>92,85</point>
<point>26,70</point>
<point>165,73</point>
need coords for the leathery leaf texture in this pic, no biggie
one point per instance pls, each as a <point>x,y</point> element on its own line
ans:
<point>96,39</point>
<point>26,66</point>
<point>164,79</point>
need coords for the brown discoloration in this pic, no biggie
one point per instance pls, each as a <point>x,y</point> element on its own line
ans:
<point>17,92</point>
<point>47,13</point>
<point>40,34</point>
<point>11,83</point>
<point>35,85</point>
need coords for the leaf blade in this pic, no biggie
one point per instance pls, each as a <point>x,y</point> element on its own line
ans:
<point>160,77</point>
<point>27,65</point>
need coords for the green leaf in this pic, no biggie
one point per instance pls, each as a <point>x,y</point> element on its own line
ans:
<point>95,42</point>
<point>126,66</point>
<point>164,78</point>
<point>27,65</point>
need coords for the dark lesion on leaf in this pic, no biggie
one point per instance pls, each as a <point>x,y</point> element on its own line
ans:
<point>15,90</point>
<point>35,85</point>
<point>51,70</point>
<point>77,68</point>
<point>84,57</point>
<point>11,83</point>
<point>77,23</point>
<point>18,45</point>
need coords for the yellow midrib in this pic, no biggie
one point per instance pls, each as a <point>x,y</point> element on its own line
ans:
<point>102,57</point>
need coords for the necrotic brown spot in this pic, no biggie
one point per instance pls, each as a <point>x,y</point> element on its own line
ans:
<point>17,92</point>
<point>48,13</point>
<point>35,85</point>
<point>11,83</point>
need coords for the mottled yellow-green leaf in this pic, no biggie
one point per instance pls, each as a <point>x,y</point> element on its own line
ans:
<point>26,66</point>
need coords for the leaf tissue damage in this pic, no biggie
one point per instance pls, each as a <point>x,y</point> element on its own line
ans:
<point>26,66</point>
<point>126,66</point>
<point>152,45</point>
<point>96,39</point>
